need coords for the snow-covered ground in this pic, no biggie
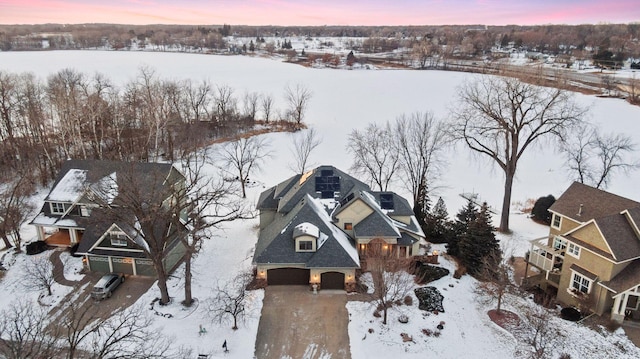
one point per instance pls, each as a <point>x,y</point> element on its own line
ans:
<point>342,100</point>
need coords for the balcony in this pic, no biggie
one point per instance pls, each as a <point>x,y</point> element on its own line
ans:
<point>544,257</point>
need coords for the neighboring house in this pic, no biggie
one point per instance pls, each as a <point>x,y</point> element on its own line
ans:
<point>592,254</point>
<point>317,228</point>
<point>71,215</point>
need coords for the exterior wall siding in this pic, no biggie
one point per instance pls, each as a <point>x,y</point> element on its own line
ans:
<point>353,213</point>
<point>591,235</point>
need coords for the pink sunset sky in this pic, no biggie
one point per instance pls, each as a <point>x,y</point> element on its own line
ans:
<point>325,12</point>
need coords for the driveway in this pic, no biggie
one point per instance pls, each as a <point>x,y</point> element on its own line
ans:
<point>296,323</point>
<point>124,296</point>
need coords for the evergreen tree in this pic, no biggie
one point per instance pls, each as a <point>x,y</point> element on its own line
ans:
<point>540,209</point>
<point>478,242</point>
<point>438,228</point>
<point>466,216</point>
<point>252,47</point>
<point>422,205</point>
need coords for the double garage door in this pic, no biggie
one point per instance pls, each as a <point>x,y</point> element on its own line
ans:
<point>300,276</point>
<point>121,265</point>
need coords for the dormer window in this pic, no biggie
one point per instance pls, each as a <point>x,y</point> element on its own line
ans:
<point>304,246</point>
<point>118,239</point>
<point>57,207</point>
<point>306,237</point>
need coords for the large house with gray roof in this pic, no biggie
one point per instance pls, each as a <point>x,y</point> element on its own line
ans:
<point>592,253</point>
<point>317,228</point>
<point>72,214</point>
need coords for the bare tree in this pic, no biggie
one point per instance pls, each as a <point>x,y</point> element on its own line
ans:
<point>421,142</point>
<point>303,144</point>
<point>128,334</point>
<point>199,98</point>
<point>15,209</point>
<point>38,274</point>
<point>244,156</point>
<point>391,280</point>
<point>225,103</point>
<point>250,105</point>
<point>298,97</point>
<point>501,117</point>
<point>374,154</point>
<point>495,278</point>
<point>210,202</point>
<point>266,104</point>
<point>24,333</point>
<point>594,158</point>
<point>230,300</point>
<point>540,332</point>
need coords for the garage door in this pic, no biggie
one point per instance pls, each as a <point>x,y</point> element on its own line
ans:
<point>288,276</point>
<point>99,264</point>
<point>122,265</point>
<point>332,280</point>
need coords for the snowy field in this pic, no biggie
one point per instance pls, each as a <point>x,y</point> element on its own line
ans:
<point>344,100</point>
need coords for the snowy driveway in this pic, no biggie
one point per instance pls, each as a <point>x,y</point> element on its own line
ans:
<point>295,323</point>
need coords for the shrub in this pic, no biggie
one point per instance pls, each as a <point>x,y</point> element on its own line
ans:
<point>436,334</point>
<point>403,319</point>
<point>427,332</point>
<point>377,314</point>
<point>564,356</point>
<point>540,211</point>
<point>408,300</point>
<point>612,325</point>
<point>37,247</point>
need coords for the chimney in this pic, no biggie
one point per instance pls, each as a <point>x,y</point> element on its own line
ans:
<point>580,210</point>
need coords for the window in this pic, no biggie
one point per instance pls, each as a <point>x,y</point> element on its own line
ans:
<point>305,245</point>
<point>574,250</point>
<point>57,208</point>
<point>118,239</point>
<point>580,283</point>
<point>556,221</point>
<point>348,226</point>
<point>559,243</point>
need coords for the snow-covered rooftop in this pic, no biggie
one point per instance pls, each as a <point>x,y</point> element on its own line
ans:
<point>339,235</point>
<point>306,228</point>
<point>70,187</point>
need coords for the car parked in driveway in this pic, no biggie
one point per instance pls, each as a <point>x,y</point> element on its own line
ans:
<point>106,285</point>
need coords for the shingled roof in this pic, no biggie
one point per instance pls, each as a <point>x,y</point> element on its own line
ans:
<point>595,203</point>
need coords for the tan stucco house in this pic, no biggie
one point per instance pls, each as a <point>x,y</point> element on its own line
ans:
<point>592,253</point>
<point>316,229</point>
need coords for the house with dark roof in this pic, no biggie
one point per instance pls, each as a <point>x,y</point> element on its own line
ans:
<point>317,228</point>
<point>592,253</point>
<point>73,214</point>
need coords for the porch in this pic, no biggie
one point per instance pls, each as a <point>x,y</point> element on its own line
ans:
<point>63,237</point>
<point>626,306</point>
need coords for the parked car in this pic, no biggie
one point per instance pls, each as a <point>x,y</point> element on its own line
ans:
<point>106,285</point>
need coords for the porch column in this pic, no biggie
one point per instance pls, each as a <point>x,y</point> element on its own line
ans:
<point>40,233</point>
<point>73,237</point>
<point>619,307</point>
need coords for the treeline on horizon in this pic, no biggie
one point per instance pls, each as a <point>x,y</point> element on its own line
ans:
<point>621,40</point>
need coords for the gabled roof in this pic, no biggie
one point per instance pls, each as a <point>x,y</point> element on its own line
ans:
<point>376,225</point>
<point>595,203</point>
<point>628,278</point>
<point>620,236</point>
<point>276,243</point>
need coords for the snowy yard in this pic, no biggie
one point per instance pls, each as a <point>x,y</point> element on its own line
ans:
<point>343,100</point>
